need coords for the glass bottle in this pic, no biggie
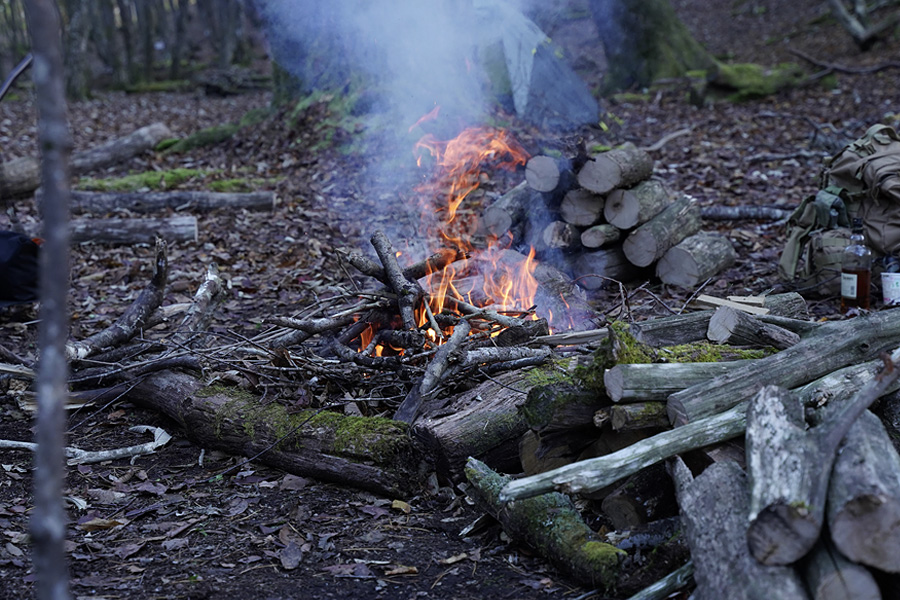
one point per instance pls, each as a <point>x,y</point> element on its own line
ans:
<point>856,270</point>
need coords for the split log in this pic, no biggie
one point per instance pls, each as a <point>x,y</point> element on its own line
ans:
<point>581,207</point>
<point>714,513</point>
<point>830,576</point>
<point>785,310</point>
<point>148,202</point>
<point>649,242</point>
<point>369,453</point>
<point>695,259</point>
<point>600,235</point>
<point>22,176</point>
<point>730,326</point>
<point>483,423</point>
<point>595,474</point>
<point>627,383</point>
<point>639,415</point>
<point>830,347</point>
<point>560,235</point>
<point>646,496</point>
<point>601,268</point>
<point>864,497</point>
<point>618,168</point>
<point>550,525</point>
<point>632,207</point>
<point>509,211</point>
<point>130,231</point>
<point>789,467</point>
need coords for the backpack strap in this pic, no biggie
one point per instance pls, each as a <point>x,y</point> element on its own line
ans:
<point>825,210</point>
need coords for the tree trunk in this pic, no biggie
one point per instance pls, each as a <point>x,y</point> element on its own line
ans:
<point>180,10</point>
<point>76,38</point>
<point>133,231</point>
<point>126,13</point>
<point>649,242</point>
<point>695,259</point>
<point>644,41</point>
<point>149,202</point>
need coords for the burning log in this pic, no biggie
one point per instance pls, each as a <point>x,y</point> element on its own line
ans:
<point>600,235</point>
<point>629,208</point>
<point>695,259</point>
<point>730,326</point>
<point>618,168</point>
<point>22,176</point>
<point>551,525</point>
<point>147,202</point>
<point>649,242</point>
<point>581,207</point>
<point>714,513</point>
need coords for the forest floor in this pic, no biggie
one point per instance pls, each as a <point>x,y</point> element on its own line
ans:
<point>165,527</point>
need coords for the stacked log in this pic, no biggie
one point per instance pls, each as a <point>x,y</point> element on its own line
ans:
<point>610,220</point>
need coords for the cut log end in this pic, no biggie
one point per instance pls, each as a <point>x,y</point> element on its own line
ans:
<point>782,534</point>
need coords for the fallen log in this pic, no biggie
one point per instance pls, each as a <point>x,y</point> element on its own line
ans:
<point>830,576</point>
<point>581,207</point>
<point>730,326</point>
<point>629,208</point>
<point>618,168</point>
<point>714,513</point>
<point>551,525</point>
<point>148,202</point>
<point>789,466</point>
<point>719,212</point>
<point>695,259</point>
<point>640,415</point>
<point>650,382</point>
<point>600,235</point>
<point>369,453</point>
<point>649,242</point>
<point>130,231</point>
<point>830,347</point>
<point>22,176</point>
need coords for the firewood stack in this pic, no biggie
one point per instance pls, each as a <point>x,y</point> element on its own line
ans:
<point>609,219</point>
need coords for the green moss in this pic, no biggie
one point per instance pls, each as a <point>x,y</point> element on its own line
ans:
<point>553,372</point>
<point>746,81</point>
<point>708,352</point>
<point>238,185</point>
<point>205,137</point>
<point>170,85</point>
<point>154,180</point>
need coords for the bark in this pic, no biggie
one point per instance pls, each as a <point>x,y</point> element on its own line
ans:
<point>629,383</point>
<point>509,211</point>
<point>551,525</point>
<point>618,168</point>
<point>22,176</point>
<point>640,415</point>
<point>644,497</point>
<point>581,207</point>
<point>600,235</point>
<point>786,310</point>
<point>133,231</point>
<point>148,202</point>
<point>714,513</point>
<point>368,453</point>
<point>831,347</point>
<point>48,520</point>
<point>561,236</point>
<point>736,213</point>
<point>695,259</point>
<point>602,268</point>
<point>730,326</point>
<point>649,242</point>
<point>629,208</point>
<point>594,474</point>
<point>830,576</point>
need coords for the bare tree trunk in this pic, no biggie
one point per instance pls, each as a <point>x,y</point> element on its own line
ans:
<point>76,40</point>
<point>179,16</point>
<point>48,522</point>
<point>145,24</point>
<point>127,16</point>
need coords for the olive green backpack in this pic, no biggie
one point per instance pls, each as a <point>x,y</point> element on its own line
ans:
<point>862,180</point>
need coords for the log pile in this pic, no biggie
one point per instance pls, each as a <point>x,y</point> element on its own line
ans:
<point>610,219</point>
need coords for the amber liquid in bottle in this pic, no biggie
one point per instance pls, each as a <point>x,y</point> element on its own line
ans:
<point>855,285</point>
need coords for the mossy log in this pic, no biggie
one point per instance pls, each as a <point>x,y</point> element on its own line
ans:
<point>628,383</point>
<point>618,168</point>
<point>629,208</point>
<point>551,525</point>
<point>830,347</point>
<point>369,453</point>
<point>714,514</point>
<point>22,176</point>
<point>640,415</point>
<point>649,242</point>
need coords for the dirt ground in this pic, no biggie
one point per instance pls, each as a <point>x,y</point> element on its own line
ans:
<point>165,526</point>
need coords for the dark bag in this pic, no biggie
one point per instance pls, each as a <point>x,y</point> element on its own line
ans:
<point>18,269</point>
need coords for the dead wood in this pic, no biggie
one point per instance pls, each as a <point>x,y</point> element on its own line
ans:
<point>646,496</point>
<point>627,383</point>
<point>22,176</point>
<point>830,347</point>
<point>551,525</point>
<point>545,173</point>
<point>598,269</point>
<point>714,513</point>
<point>508,211</point>
<point>618,168</point>
<point>649,242</point>
<point>830,576</point>
<point>581,207</point>
<point>133,320</point>
<point>640,415</point>
<point>721,212</point>
<point>600,235</point>
<point>730,326</point>
<point>365,452</point>
<point>148,202</point>
<point>131,231</point>
<point>409,294</point>
<point>695,259</point>
<point>434,263</point>
<point>628,208</point>
<point>561,236</point>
